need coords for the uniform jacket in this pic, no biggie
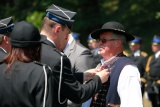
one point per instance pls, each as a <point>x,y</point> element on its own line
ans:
<point>70,87</point>
<point>23,86</point>
<point>140,60</point>
<point>2,54</point>
<point>153,86</point>
<point>154,68</point>
<point>81,58</point>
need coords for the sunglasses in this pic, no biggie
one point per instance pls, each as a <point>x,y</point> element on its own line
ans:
<point>103,40</point>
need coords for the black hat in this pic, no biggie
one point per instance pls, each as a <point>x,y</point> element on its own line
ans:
<point>114,27</point>
<point>6,25</point>
<point>61,15</point>
<point>25,34</point>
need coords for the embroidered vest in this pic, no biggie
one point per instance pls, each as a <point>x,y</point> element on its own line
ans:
<point>109,93</point>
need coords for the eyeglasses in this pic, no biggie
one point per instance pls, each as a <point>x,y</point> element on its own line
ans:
<point>103,40</point>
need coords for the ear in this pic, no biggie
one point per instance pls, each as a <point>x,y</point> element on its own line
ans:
<point>118,43</point>
<point>57,29</point>
<point>6,39</point>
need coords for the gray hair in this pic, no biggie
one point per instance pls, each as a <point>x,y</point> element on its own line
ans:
<point>121,37</point>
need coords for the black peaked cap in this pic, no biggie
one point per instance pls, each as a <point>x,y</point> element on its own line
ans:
<point>61,15</point>
<point>6,25</point>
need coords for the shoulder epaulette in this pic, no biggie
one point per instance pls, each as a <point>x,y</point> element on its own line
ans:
<point>148,62</point>
<point>126,53</point>
<point>39,63</point>
<point>59,52</point>
<point>144,54</point>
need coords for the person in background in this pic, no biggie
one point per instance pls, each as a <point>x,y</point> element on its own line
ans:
<point>95,50</point>
<point>24,81</point>
<point>56,26</point>
<point>90,41</point>
<point>153,77</point>
<point>123,87</point>
<point>6,26</point>
<point>140,59</point>
<point>76,36</point>
<point>81,59</point>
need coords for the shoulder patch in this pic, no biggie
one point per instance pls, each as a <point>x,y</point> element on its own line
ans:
<point>144,54</point>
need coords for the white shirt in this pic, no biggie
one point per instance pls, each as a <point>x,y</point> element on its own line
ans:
<point>69,42</point>
<point>157,54</point>
<point>129,88</point>
<point>51,41</point>
<point>137,53</point>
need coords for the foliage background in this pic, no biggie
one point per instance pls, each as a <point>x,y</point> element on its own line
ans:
<point>140,17</point>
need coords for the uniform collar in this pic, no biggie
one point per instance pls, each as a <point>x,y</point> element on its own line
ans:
<point>157,54</point>
<point>136,53</point>
<point>51,41</point>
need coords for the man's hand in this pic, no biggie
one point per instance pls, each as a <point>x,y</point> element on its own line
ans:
<point>89,74</point>
<point>103,74</point>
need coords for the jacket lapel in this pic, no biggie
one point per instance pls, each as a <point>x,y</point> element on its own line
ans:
<point>70,48</point>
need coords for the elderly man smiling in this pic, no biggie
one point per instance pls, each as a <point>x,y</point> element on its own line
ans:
<point>123,88</point>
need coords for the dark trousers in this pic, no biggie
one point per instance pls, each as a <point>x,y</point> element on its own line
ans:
<point>155,99</point>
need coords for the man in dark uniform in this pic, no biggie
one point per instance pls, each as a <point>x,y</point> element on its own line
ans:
<point>6,26</point>
<point>89,41</point>
<point>153,71</point>
<point>56,27</point>
<point>139,57</point>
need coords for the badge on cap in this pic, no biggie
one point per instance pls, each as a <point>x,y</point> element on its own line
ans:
<point>6,25</point>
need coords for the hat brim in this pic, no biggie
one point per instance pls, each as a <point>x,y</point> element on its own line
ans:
<point>96,34</point>
<point>27,43</point>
